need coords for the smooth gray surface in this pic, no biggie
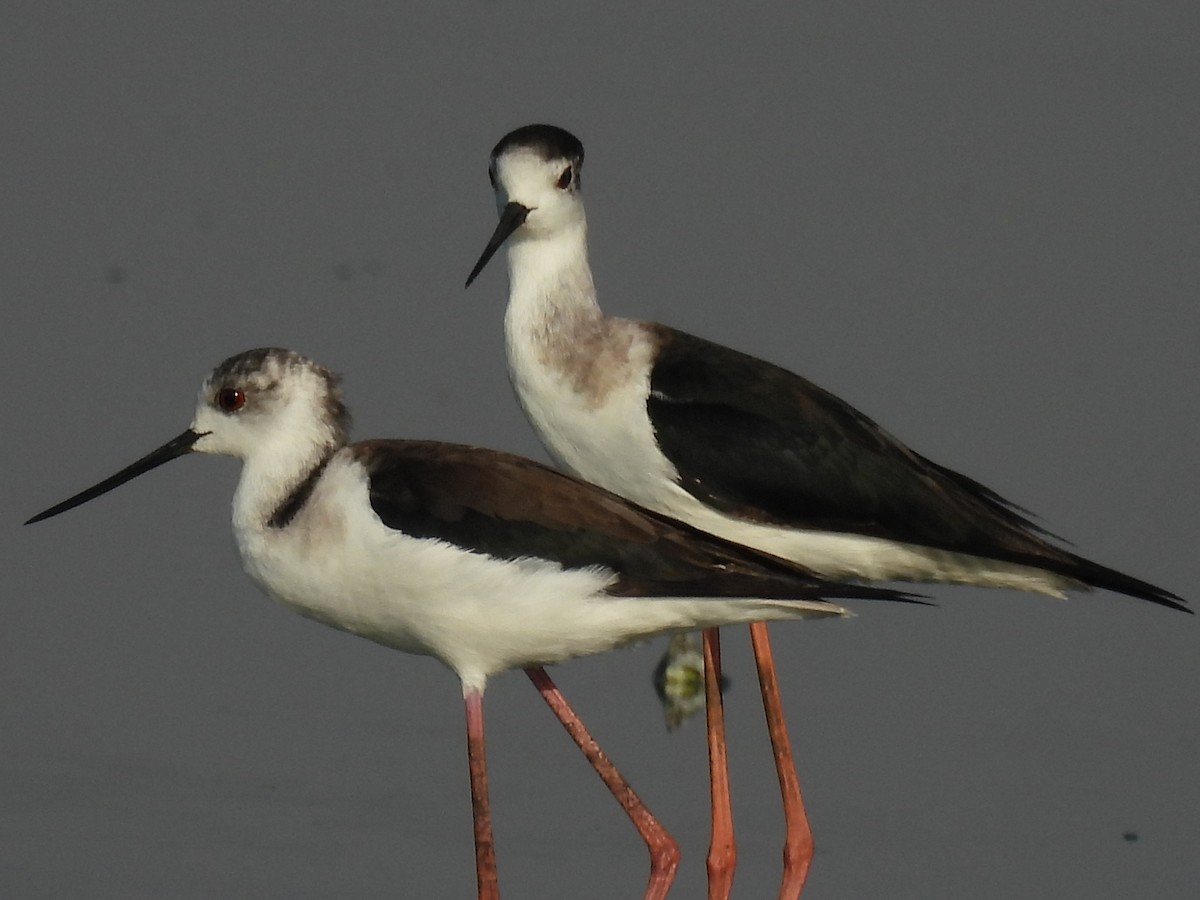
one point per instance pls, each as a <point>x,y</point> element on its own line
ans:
<point>977,224</point>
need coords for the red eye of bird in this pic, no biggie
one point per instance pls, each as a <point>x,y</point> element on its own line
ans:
<point>564,180</point>
<point>230,399</point>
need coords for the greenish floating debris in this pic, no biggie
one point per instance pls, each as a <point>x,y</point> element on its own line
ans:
<point>679,680</point>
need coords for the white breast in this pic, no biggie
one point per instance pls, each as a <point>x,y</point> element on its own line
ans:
<point>605,438</point>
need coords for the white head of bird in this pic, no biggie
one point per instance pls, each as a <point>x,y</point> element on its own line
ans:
<point>535,173</point>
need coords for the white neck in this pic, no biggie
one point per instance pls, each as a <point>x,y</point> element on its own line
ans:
<point>270,475</point>
<point>550,285</point>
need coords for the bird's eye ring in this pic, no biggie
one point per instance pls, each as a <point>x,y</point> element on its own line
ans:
<point>564,180</point>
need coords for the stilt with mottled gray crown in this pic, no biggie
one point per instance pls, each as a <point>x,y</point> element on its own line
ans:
<point>480,559</point>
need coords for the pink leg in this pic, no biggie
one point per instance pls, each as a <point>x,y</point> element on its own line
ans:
<point>798,846</point>
<point>722,852</point>
<point>664,852</point>
<point>485,847</point>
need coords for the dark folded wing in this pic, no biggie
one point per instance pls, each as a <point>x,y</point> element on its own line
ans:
<point>509,507</point>
<point>753,438</point>
<point>763,444</point>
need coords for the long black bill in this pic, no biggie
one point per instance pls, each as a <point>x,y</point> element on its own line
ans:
<point>167,452</point>
<point>511,219</point>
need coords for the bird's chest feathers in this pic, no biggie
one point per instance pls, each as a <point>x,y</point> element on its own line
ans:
<point>362,586</point>
<point>565,355</point>
<point>584,387</point>
<point>323,563</point>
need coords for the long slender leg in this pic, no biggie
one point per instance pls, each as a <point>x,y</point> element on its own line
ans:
<point>722,852</point>
<point>485,846</point>
<point>798,845</point>
<point>664,852</point>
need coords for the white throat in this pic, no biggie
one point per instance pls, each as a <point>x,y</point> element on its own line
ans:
<point>550,284</point>
<point>269,476</point>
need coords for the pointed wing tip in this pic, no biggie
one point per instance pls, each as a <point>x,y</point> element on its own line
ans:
<point>1152,594</point>
<point>866,593</point>
<point>1174,601</point>
<point>1161,597</point>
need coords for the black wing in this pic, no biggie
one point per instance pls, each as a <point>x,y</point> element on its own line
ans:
<point>761,443</point>
<point>510,507</point>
